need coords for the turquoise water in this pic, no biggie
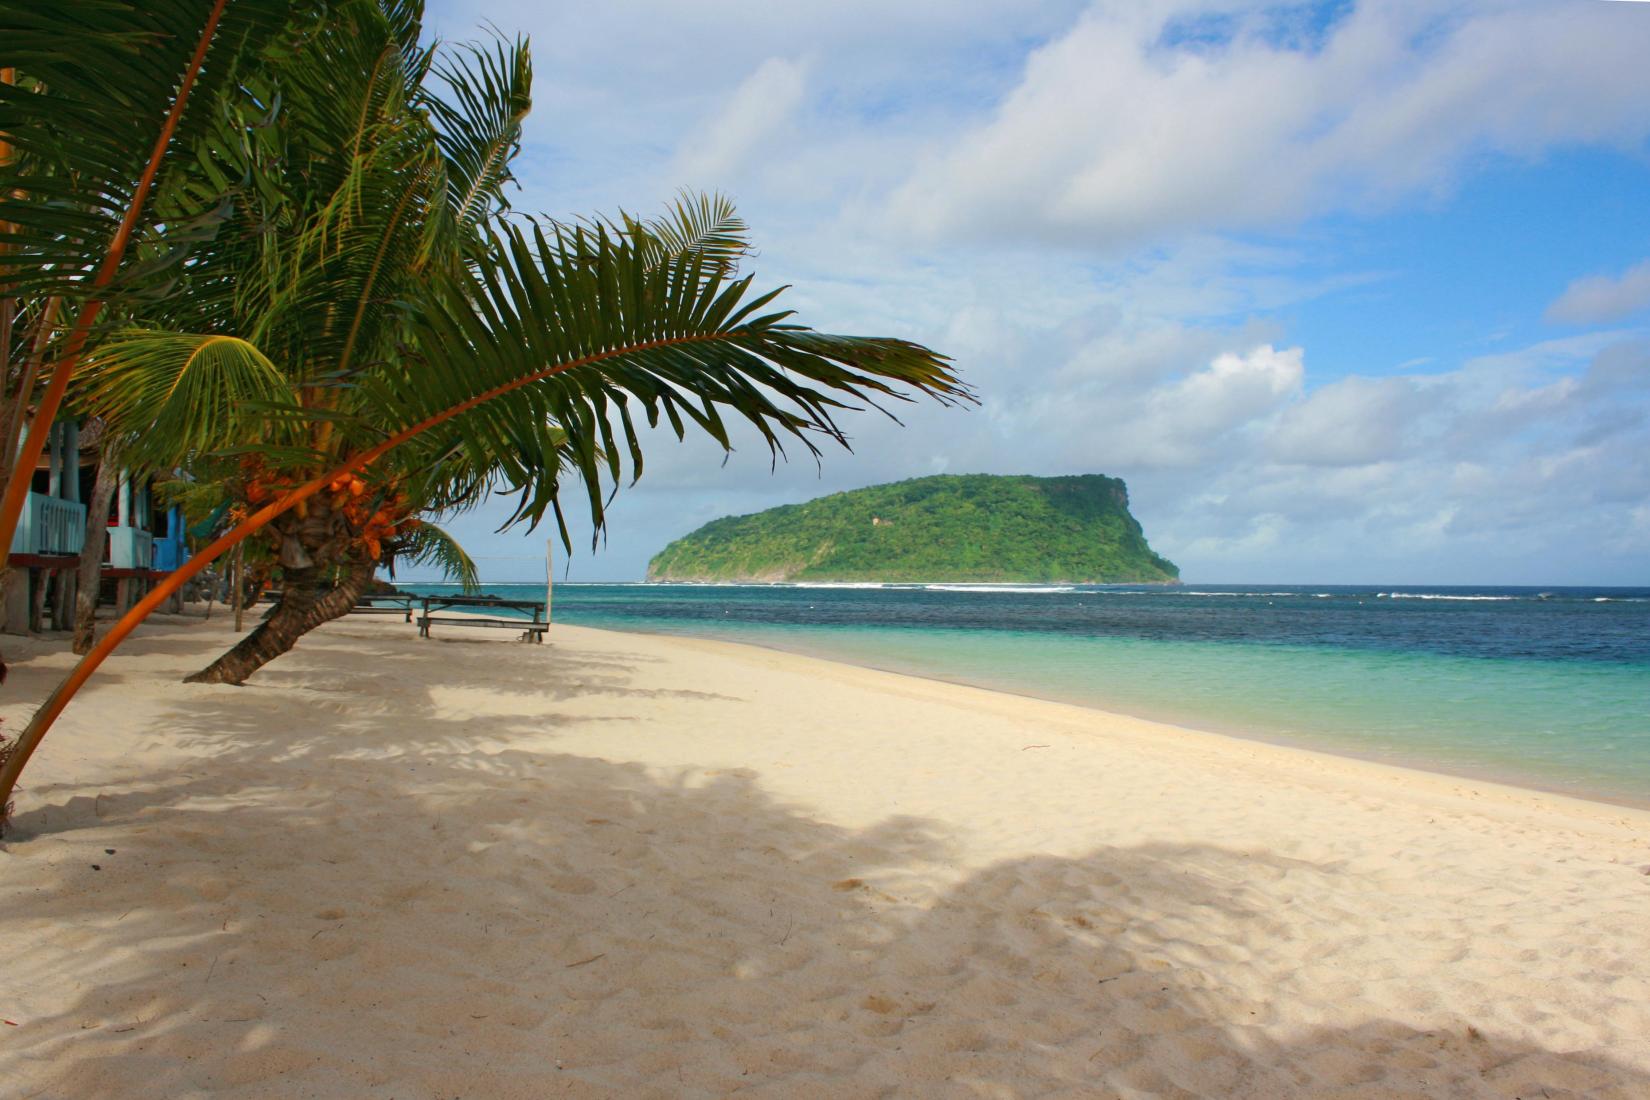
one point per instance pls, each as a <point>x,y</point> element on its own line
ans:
<point>1546,689</point>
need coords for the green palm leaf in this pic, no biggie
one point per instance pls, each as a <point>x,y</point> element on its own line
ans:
<point>706,225</point>
<point>429,545</point>
<point>179,395</point>
<point>479,125</point>
<point>583,330</point>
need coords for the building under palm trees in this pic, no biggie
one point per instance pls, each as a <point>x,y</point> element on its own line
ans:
<point>145,540</point>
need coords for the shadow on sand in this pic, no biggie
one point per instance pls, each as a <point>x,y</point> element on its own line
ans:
<point>318,909</point>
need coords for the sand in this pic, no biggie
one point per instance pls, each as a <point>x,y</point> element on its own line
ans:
<point>633,866</point>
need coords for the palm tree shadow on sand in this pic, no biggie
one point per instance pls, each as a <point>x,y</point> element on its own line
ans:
<point>436,913</point>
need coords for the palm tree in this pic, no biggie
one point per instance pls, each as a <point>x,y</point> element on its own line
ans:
<point>371,340</point>
<point>372,182</point>
<point>346,253</point>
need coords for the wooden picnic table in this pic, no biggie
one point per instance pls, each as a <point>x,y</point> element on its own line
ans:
<point>430,608</point>
<point>532,631</point>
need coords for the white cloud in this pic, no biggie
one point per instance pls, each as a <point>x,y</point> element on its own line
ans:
<point>1353,422</point>
<point>1622,365</point>
<point>758,107</point>
<point>618,87</point>
<point>1118,134</point>
<point>1601,299</point>
<point>1075,174</point>
<point>1183,423</point>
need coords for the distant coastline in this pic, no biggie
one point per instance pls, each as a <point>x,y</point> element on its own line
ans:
<point>927,582</point>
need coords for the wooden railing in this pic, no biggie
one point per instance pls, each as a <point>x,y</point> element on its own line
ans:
<point>50,526</point>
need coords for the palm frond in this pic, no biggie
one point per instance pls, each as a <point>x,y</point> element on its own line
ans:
<point>585,331</point>
<point>705,225</point>
<point>406,20</point>
<point>478,121</point>
<point>347,240</point>
<point>206,503</point>
<point>429,545</point>
<point>181,395</point>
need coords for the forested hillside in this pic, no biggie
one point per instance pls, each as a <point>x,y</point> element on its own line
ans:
<point>978,527</point>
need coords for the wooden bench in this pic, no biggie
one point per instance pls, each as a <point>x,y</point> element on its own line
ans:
<point>531,630</point>
<point>385,605</point>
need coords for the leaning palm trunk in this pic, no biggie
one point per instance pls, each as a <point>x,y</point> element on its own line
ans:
<point>91,554</point>
<point>304,605</point>
<point>325,568</point>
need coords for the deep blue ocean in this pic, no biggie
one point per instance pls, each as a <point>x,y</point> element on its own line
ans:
<point>1545,687</point>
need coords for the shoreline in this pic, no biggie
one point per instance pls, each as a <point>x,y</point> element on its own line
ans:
<point>628,864</point>
<point>1410,773</point>
<point>1488,775</point>
<point>1540,749</point>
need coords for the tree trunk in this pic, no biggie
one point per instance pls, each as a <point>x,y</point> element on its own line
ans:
<point>63,599</point>
<point>304,606</point>
<point>91,554</point>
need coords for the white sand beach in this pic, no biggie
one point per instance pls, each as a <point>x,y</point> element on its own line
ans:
<point>634,866</point>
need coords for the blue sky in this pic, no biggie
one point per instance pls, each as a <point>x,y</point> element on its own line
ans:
<point>1345,292</point>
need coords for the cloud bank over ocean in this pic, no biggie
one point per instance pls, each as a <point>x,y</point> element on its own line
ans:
<point>1345,292</point>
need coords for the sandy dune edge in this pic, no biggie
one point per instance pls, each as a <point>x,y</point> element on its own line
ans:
<point>620,865</point>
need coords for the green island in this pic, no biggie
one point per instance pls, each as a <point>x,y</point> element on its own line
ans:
<point>980,528</point>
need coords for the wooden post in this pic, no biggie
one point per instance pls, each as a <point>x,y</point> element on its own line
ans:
<point>54,461</point>
<point>237,585</point>
<point>39,580</point>
<point>549,575</point>
<point>71,461</point>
